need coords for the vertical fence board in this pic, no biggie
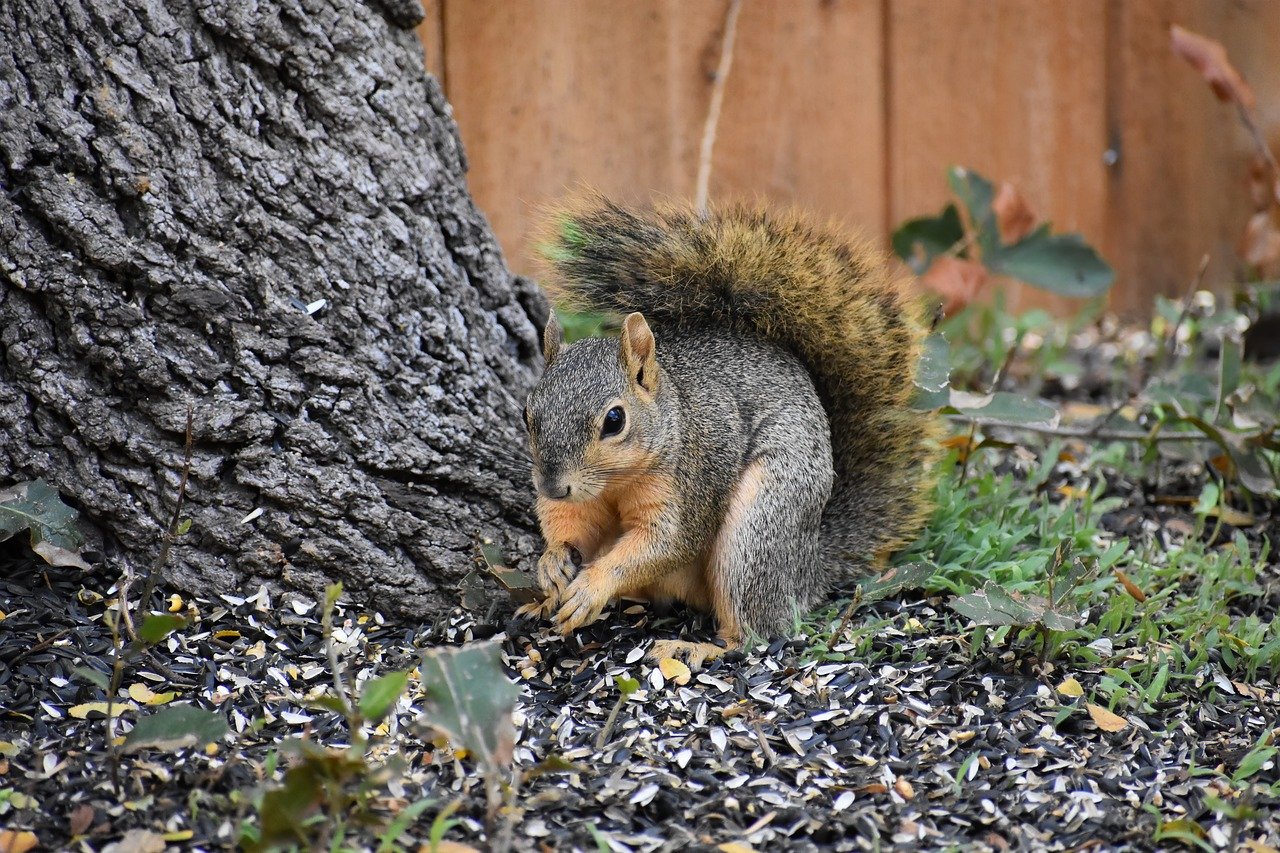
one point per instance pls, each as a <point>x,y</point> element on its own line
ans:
<point>803,119</point>
<point>1178,191</point>
<point>1012,89</point>
<point>855,108</point>
<point>615,95</point>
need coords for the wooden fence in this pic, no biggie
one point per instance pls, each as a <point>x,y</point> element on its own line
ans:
<point>855,108</point>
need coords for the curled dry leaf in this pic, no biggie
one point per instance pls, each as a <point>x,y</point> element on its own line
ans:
<point>956,280</point>
<point>1014,217</point>
<point>1209,57</point>
<point>1135,591</point>
<point>1106,720</point>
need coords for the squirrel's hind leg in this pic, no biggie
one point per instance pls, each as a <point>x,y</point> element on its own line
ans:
<point>766,565</point>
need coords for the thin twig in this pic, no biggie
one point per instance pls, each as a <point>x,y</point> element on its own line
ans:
<point>335,669</point>
<point>838,634</point>
<point>170,535</point>
<point>1171,345</point>
<point>602,739</point>
<point>1170,350</point>
<point>1102,435</point>
<point>1259,141</point>
<point>713,111</point>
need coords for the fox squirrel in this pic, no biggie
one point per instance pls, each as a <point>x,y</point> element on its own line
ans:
<point>749,437</point>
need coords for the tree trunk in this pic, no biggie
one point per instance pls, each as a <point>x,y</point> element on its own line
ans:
<point>256,210</point>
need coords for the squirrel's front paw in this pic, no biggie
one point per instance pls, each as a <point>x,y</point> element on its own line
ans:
<point>556,567</point>
<point>584,600</point>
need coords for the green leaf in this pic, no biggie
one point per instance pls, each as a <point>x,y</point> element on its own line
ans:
<point>919,241</point>
<point>98,679</point>
<point>992,605</point>
<point>331,595</point>
<point>471,700</point>
<point>1253,762</point>
<point>157,626</point>
<point>326,702</point>
<point>402,822</point>
<point>1229,360</point>
<point>895,580</point>
<point>1060,263</point>
<point>176,727</point>
<point>380,695</point>
<point>626,684</point>
<point>1003,406</point>
<point>36,506</point>
<point>976,194</point>
<point>933,373</point>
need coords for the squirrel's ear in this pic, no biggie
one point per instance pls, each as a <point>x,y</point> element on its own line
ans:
<point>552,336</point>
<point>639,352</point>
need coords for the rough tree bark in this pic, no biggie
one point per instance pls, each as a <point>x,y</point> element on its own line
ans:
<point>182,181</point>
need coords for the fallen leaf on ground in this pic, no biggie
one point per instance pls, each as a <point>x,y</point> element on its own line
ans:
<point>1106,720</point>
<point>1209,57</point>
<point>80,820</point>
<point>17,841</point>
<point>82,712</point>
<point>675,670</point>
<point>1071,688</point>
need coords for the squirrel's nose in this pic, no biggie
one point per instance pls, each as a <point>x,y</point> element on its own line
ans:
<point>556,491</point>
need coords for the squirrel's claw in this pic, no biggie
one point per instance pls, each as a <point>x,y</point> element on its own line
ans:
<point>584,601</point>
<point>537,609</point>
<point>695,653</point>
<point>556,568</point>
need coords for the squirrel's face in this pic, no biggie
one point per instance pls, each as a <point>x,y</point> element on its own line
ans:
<point>593,417</point>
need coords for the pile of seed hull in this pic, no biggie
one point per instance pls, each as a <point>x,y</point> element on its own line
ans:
<point>908,742</point>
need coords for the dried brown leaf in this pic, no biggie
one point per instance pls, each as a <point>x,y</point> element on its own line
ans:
<point>1071,688</point>
<point>80,819</point>
<point>1106,720</point>
<point>956,280</point>
<point>1135,591</point>
<point>1210,58</point>
<point>1014,217</point>
<point>17,841</point>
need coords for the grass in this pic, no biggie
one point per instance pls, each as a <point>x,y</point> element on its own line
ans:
<point>1194,606</point>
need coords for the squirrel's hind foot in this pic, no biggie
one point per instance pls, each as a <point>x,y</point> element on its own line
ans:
<point>695,654</point>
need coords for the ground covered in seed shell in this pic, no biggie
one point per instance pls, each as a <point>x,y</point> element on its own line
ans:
<point>795,745</point>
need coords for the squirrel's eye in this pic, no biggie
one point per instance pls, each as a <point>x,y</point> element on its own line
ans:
<point>614,420</point>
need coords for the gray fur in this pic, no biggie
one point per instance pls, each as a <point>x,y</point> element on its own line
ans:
<point>723,402</point>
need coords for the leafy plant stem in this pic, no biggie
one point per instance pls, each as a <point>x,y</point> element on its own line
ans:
<point>335,669</point>
<point>1101,435</point>
<point>605,733</point>
<point>968,450</point>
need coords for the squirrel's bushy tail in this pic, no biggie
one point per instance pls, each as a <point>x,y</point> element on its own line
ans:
<point>779,277</point>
